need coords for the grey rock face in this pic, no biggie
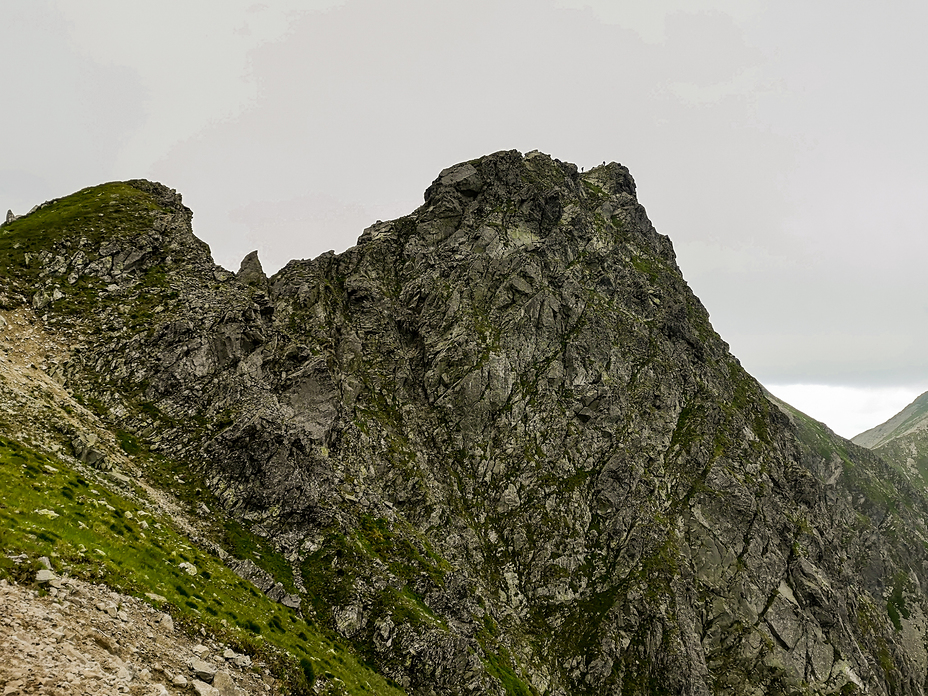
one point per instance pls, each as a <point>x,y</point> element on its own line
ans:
<point>85,451</point>
<point>224,684</point>
<point>252,573</point>
<point>204,689</point>
<point>264,581</point>
<point>250,271</point>
<point>504,450</point>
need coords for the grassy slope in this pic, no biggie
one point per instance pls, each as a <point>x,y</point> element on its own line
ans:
<point>94,213</point>
<point>92,531</point>
<point>47,508</point>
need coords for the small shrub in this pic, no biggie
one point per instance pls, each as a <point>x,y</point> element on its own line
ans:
<point>251,626</point>
<point>307,666</point>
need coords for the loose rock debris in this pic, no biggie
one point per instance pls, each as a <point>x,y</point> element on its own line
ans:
<point>82,639</point>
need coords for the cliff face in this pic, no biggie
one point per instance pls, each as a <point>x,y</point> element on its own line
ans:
<point>498,442</point>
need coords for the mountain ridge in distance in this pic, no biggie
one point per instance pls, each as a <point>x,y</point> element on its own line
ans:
<point>903,423</point>
<point>903,440</point>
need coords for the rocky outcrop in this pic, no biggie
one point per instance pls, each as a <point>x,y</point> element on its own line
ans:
<point>84,450</point>
<point>250,272</point>
<point>502,447</point>
<point>264,581</point>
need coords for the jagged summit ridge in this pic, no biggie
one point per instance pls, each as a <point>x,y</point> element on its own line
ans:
<point>500,444</point>
<point>532,190</point>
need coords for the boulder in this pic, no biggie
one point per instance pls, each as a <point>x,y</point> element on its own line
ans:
<point>223,683</point>
<point>203,669</point>
<point>204,689</point>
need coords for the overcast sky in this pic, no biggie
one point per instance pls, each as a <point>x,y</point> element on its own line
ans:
<point>781,145</point>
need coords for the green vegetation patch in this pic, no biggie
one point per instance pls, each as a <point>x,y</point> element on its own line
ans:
<point>243,544</point>
<point>94,213</point>
<point>895,605</point>
<point>330,571</point>
<point>595,190</point>
<point>648,265</point>
<point>500,665</point>
<point>48,509</point>
<point>128,442</point>
<point>400,554</point>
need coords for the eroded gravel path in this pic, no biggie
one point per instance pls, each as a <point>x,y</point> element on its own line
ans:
<point>84,639</point>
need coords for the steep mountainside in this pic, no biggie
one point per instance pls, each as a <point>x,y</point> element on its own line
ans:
<point>497,444</point>
<point>903,440</point>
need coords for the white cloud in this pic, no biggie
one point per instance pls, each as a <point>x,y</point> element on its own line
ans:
<point>779,145</point>
<point>192,59</point>
<point>648,18</point>
<point>273,224</point>
<point>848,411</point>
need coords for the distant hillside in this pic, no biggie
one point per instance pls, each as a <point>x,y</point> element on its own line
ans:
<point>912,418</point>
<point>903,440</point>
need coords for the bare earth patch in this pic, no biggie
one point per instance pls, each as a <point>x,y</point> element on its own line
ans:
<point>84,639</point>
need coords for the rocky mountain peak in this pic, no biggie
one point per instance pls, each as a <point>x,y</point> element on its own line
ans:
<point>162,195</point>
<point>250,271</point>
<point>498,443</point>
<point>535,187</point>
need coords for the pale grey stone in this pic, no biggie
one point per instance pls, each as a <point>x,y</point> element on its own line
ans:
<point>224,684</point>
<point>203,689</point>
<point>203,669</point>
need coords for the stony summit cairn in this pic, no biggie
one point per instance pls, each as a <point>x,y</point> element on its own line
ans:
<point>495,448</point>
